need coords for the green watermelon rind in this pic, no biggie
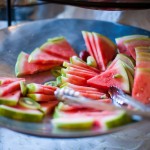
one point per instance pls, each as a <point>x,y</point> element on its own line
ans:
<point>22,115</point>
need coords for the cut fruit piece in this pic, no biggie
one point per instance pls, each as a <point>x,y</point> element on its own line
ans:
<point>126,59</point>
<point>80,123</point>
<point>142,49</point>
<point>91,62</point>
<point>71,79</point>
<point>59,47</point>
<point>22,66</point>
<point>106,50</point>
<point>66,64</point>
<point>118,119</point>
<point>77,61</point>
<point>23,88</point>
<point>20,113</point>
<point>120,42</point>
<point>141,87</point>
<point>56,71</point>
<point>6,80</point>
<point>29,103</point>
<point>110,78</point>
<point>10,99</point>
<point>80,88</point>
<point>38,88</point>
<point>41,57</point>
<point>132,44</point>
<point>48,107</point>
<point>41,97</point>
<point>8,88</point>
<point>77,72</point>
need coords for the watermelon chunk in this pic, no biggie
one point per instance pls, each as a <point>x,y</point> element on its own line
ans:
<point>114,77</point>
<point>39,56</point>
<point>10,99</point>
<point>38,88</point>
<point>58,46</point>
<point>6,80</point>
<point>8,88</point>
<point>20,113</point>
<point>23,67</point>
<point>120,42</point>
<point>138,42</point>
<point>41,97</point>
<point>141,87</point>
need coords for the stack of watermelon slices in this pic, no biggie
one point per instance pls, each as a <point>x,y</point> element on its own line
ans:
<point>25,102</point>
<point>52,53</point>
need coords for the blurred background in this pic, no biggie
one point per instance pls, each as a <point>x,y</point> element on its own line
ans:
<point>30,10</point>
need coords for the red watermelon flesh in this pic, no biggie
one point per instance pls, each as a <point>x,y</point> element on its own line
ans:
<point>60,47</point>
<point>141,87</point>
<point>77,72</point>
<point>66,64</point>
<point>114,77</point>
<point>38,88</point>
<point>41,57</point>
<point>41,97</point>
<point>10,99</point>
<point>6,80</point>
<point>10,87</point>
<point>120,42</point>
<point>50,87</point>
<point>23,67</point>
<point>88,43</point>
<point>106,50</point>
<point>138,42</point>
<point>80,88</point>
<point>48,107</point>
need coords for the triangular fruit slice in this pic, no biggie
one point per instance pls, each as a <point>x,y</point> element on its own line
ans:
<point>106,50</point>
<point>6,80</point>
<point>138,42</point>
<point>20,113</point>
<point>10,99</point>
<point>114,77</point>
<point>58,46</point>
<point>141,88</point>
<point>120,42</point>
<point>23,67</point>
<point>39,56</point>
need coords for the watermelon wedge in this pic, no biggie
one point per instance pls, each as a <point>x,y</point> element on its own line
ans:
<point>41,57</point>
<point>23,67</point>
<point>6,80</point>
<point>41,97</point>
<point>120,42</point>
<point>58,47</point>
<point>20,113</point>
<point>8,88</point>
<point>38,88</point>
<point>138,42</point>
<point>10,99</point>
<point>114,77</point>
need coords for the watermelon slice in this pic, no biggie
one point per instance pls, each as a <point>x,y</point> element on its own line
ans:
<point>58,46</point>
<point>77,61</point>
<point>8,88</point>
<point>6,80</point>
<point>38,88</point>
<point>41,57</point>
<point>20,113</point>
<point>114,77</point>
<point>141,87</point>
<point>22,66</point>
<point>41,97</point>
<point>138,42</point>
<point>10,99</point>
<point>120,42</point>
<point>106,50</point>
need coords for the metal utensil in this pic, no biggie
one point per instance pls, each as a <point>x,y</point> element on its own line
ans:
<point>72,97</point>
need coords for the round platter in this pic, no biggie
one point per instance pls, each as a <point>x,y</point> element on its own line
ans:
<point>26,37</point>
